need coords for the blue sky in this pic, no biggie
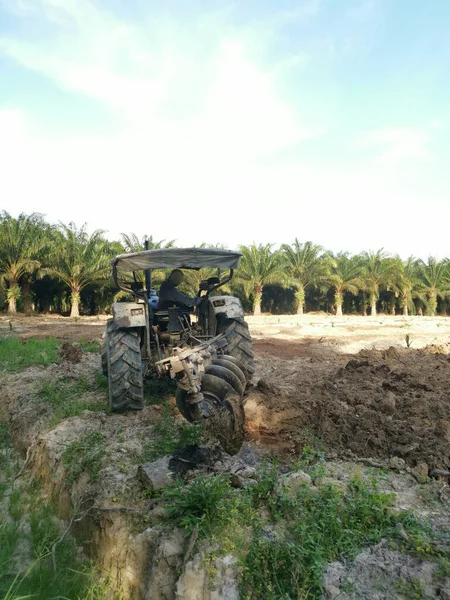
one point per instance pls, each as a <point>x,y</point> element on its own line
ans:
<point>231,122</point>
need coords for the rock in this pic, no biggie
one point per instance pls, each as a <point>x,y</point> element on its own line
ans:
<point>167,561</point>
<point>332,580</point>
<point>193,457</point>
<point>388,403</point>
<point>218,582</point>
<point>420,472</point>
<point>158,514</point>
<point>296,480</point>
<point>397,463</point>
<point>445,593</point>
<point>320,481</point>
<point>156,475</point>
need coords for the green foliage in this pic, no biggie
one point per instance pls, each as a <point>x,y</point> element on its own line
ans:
<point>69,396</point>
<point>89,346</point>
<point>84,455</point>
<point>79,259</point>
<point>412,588</point>
<point>60,268</point>
<point>200,502</point>
<point>323,525</point>
<point>16,355</point>
<point>434,282</point>
<point>171,435</point>
<point>23,244</point>
<point>259,266</point>
<point>307,265</point>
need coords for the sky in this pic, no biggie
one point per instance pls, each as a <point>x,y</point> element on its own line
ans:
<point>231,122</point>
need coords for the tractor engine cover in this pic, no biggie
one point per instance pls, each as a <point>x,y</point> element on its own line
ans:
<point>128,314</point>
<point>229,306</point>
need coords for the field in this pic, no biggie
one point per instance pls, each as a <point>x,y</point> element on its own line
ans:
<point>341,490</point>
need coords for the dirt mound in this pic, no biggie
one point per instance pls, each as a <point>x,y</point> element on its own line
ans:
<point>382,403</point>
<point>71,352</point>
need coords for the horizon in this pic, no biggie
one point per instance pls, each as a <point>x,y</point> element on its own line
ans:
<point>244,123</point>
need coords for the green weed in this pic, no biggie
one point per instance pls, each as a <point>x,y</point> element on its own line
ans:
<point>89,346</point>
<point>84,456</point>
<point>411,588</point>
<point>16,355</point>
<point>171,435</point>
<point>199,502</point>
<point>67,397</point>
<point>321,525</point>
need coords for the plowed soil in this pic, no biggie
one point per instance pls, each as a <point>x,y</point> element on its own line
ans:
<point>378,403</point>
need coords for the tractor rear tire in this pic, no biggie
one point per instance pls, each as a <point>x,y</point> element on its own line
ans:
<point>124,366</point>
<point>239,343</point>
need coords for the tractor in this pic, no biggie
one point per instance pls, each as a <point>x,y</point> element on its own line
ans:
<point>206,350</point>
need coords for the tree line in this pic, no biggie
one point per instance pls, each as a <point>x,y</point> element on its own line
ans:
<point>63,269</point>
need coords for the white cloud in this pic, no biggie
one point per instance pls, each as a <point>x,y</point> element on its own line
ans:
<point>396,144</point>
<point>197,121</point>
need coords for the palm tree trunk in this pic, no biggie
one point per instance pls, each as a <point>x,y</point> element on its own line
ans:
<point>405,310</point>
<point>338,299</point>
<point>12,306</point>
<point>300,300</point>
<point>13,294</point>
<point>75,301</point>
<point>257,304</point>
<point>373,305</point>
<point>432,304</point>
<point>27,300</point>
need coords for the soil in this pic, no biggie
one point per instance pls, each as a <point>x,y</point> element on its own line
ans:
<point>350,381</point>
<point>348,386</point>
<point>379,403</point>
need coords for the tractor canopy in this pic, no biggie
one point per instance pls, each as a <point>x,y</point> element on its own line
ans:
<point>177,258</point>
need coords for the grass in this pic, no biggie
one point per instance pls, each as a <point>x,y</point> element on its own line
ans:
<point>171,435</point>
<point>89,346</point>
<point>84,455</point>
<point>315,526</point>
<point>16,355</point>
<point>67,396</point>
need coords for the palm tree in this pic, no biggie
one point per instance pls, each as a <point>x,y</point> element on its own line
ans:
<point>133,243</point>
<point>23,241</point>
<point>307,264</point>
<point>258,267</point>
<point>379,271</point>
<point>434,282</point>
<point>79,259</point>
<point>405,284</point>
<point>345,276</point>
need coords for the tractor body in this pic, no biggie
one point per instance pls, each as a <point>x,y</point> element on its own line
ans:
<point>207,351</point>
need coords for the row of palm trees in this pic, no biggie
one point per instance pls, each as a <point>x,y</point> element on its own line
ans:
<point>45,267</point>
<point>414,285</point>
